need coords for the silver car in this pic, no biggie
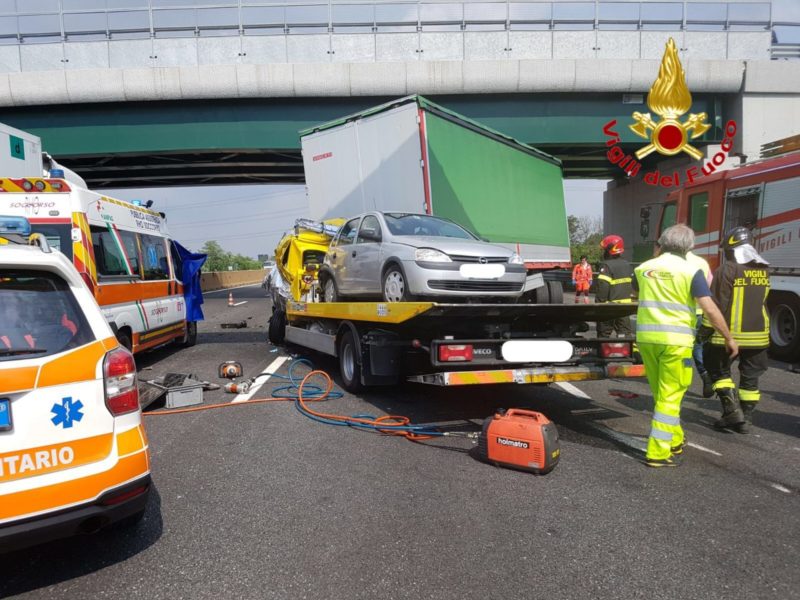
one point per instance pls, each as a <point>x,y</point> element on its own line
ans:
<point>401,257</point>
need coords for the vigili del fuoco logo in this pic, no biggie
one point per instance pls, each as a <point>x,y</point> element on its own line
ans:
<point>669,98</point>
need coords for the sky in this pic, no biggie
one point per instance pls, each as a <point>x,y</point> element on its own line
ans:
<point>250,219</point>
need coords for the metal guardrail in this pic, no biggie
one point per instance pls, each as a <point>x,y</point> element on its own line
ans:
<point>173,18</point>
<point>785,51</point>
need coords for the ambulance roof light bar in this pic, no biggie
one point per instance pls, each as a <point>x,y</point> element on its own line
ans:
<point>14,225</point>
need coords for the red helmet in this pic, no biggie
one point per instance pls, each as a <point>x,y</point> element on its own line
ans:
<point>613,245</point>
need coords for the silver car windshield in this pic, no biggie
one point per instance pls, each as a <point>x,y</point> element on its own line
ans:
<point>411,224</point>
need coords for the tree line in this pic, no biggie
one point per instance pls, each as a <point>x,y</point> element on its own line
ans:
<point>220,260</point>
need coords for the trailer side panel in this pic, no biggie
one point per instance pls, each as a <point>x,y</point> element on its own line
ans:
<point>502,193</point>
<point>371,163</point>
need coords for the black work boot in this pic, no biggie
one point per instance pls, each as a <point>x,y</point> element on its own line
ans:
<point>708,385</point>
<point>731,413</point>
<point>747,411</point>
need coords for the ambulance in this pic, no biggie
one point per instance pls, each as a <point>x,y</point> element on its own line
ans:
<point>73,450</point>
<point>122,251</point>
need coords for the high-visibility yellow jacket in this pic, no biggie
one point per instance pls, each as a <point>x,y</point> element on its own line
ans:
<point>741,291</point>
<point>700,263</point>
<point>666,313</point>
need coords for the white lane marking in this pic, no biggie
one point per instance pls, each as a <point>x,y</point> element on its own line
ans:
<point>262,379</point>
<point>629,440</point>
<point>571,389</point>
<point>227,290</point>
<point>703,448</point>
<point>780,488</point>
<point>240,303</point>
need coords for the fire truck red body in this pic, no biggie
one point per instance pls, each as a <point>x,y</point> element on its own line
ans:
<point>764,196</point>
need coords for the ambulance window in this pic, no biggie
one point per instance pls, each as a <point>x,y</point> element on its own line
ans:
<point>58,237</point>
<point>698,211</point>
<point>154,256</point>
<point>111,248</point>
<point>39,316</point>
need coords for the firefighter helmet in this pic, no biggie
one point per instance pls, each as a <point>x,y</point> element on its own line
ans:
<point>613,245</point>
<point>737,237</point>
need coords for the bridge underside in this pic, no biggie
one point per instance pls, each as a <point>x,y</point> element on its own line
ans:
<point>138,144</point>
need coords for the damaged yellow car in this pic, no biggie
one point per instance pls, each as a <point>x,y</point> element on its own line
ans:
<point>298,257</point>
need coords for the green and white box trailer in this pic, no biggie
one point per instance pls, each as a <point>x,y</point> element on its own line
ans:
<point>412,155</point>
<point>20,153</point>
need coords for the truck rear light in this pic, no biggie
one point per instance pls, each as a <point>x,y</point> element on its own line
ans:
<point>121,388</point>
<point>455,352</point>
<point>615,349</point>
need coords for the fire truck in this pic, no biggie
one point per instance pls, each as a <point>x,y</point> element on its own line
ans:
<point>765,196</point>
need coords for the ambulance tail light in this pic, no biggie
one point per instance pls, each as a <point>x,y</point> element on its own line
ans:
<point>615,350</point>
<point>455,353</point>
<point>121,388</point>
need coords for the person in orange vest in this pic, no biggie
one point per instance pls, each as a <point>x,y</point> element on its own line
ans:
<point>582,280</point>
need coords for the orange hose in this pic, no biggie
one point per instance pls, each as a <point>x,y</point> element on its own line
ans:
<point>377,422</point>
<point>384,420</point>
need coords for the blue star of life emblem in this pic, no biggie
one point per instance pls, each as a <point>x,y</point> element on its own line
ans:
<point>67,412</point>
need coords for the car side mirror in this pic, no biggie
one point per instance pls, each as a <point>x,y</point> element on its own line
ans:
<point>370,234</point>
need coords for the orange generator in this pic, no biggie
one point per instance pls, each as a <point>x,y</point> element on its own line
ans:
<point>519,439</point>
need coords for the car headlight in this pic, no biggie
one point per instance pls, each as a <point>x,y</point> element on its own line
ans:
<point>430,255</point>
<point>515,259</point>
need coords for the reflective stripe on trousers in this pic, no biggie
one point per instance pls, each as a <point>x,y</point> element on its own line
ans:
<point>749,395</point>
<point>669,373</point>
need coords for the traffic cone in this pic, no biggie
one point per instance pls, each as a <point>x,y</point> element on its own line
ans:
<point>230,298</point>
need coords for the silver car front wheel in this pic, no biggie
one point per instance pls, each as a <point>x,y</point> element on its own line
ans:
<point>395,288</point>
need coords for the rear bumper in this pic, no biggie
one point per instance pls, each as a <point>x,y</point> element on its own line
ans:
<point>86,518</point>
<point>531,375</point>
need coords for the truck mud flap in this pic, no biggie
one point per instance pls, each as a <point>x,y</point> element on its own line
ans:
<point>530,375</point>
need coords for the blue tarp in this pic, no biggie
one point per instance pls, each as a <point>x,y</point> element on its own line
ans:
<point>192,263</point>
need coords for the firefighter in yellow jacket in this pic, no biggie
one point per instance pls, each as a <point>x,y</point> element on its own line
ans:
<point>670,288</point>
<point>740,288</point>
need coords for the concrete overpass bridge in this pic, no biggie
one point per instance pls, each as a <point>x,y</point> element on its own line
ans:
<point>170,92</point>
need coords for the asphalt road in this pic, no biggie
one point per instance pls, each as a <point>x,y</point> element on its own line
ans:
<point>256,501</point>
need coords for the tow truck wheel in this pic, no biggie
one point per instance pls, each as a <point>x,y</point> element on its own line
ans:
<point>277,327</point>
<point>349,366</point>
<point>784,326</point>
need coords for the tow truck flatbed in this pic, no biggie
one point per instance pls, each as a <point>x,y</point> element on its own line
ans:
<point>380,343</point>
<point>402,312</point>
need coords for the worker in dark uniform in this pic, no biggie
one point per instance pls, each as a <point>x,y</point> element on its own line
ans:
<point>614,285</point>
<point>740,287</point>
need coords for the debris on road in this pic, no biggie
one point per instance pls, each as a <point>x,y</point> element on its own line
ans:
<point>237,325</point>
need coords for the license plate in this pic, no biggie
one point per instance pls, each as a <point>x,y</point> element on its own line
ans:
<point>5,414</point>
<point>538,351</point>
<point>493,271</point>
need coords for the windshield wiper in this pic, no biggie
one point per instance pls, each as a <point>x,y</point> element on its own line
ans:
<point>13,351</point>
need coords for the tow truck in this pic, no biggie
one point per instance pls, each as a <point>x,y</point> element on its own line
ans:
<point>380,343</point>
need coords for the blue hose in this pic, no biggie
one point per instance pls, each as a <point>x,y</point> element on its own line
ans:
<point>312,392</point>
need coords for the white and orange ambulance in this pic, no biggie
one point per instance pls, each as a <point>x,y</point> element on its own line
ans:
<point>122,251</point>
<point>73,451</point>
